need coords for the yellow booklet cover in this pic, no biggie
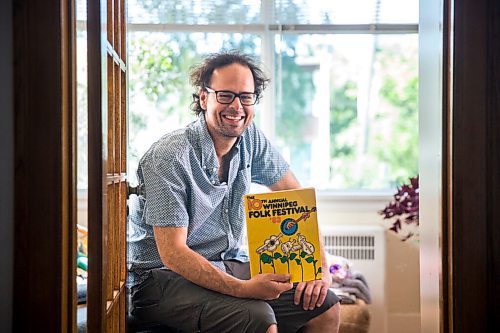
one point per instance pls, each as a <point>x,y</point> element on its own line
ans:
<point>283,237</point>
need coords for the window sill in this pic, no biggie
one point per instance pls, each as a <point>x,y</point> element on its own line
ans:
<point>354,195</point>
<point>353,201</point>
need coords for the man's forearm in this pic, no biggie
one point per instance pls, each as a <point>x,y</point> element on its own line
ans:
<point>200,271</point>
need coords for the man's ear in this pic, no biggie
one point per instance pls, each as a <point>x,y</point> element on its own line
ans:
<point>203,99</point>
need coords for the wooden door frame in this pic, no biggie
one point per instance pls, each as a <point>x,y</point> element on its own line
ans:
<point>474,166</point>
<point>45,187</point>
<point>45,173</point>
<point>96,146</point>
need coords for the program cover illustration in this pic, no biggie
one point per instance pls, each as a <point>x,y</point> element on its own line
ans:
<point>282,230</point>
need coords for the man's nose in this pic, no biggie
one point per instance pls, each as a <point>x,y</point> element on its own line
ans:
<point>236,103</point>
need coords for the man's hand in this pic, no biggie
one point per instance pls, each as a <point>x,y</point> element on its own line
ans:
<point>314,292</point>
<point>266,286</point>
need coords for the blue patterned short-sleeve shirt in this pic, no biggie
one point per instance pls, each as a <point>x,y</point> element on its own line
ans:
<point>178,177</point>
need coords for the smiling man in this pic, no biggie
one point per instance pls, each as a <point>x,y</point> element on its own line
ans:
<point>187,268</point>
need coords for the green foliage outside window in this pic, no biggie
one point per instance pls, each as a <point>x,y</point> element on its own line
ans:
<point>392,147</point>
<point>343,113</point>
<point>401,152</point>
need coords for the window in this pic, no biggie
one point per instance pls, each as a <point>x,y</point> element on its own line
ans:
<point>346,112</point>
<point>342,105</point>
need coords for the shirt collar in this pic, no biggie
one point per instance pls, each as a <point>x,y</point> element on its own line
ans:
<point>209,160</point>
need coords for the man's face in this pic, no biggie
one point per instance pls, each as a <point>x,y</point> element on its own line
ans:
<point>228,121</point>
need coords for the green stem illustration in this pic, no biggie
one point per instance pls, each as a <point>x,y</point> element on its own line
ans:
<point>301,269</point>
<point>299,262</point>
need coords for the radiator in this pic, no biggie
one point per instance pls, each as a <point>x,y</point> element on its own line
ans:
<point>364,247</point>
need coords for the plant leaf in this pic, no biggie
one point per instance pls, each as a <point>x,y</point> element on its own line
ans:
<point>266,258</point>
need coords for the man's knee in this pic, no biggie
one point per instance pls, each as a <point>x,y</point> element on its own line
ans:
<point>261,315</point>
<point>272,329</point>
<point>333,314</point>
<point>331,317</point>
<point>328,321</point>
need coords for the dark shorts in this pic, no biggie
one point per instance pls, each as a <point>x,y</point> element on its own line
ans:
<point>167,298</point>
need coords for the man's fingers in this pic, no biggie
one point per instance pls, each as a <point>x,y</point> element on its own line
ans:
<point>315,294</point>
<point>298,292</point>
<point>307,299</point>
<point>312,293</point>
<point>285,286</point>
<point>322,297</point>
<point>279,277</point>
<point>282,280</point>
<point>269,286</point>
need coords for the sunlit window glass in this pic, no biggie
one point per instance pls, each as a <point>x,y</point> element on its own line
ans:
<point>347,113</point>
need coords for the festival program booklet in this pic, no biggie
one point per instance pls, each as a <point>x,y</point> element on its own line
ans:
<point>283,237</point>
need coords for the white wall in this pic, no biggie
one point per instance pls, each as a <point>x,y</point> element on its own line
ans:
<point>402,278</point>
<point>6,165</point>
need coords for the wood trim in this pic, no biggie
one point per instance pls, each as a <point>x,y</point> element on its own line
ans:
<point>45,173</point>
<point>446,288</point>
<point>68,56</point>
<point>493,164</point>
<point>476,166</point>
<point>107,169</point>
<point>95,296</point>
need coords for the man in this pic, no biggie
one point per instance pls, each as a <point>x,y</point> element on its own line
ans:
<point>187,268</point>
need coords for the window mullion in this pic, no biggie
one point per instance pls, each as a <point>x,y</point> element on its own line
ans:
<point>267,56</point>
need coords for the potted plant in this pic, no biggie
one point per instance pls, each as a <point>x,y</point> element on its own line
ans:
<point>402,211</point>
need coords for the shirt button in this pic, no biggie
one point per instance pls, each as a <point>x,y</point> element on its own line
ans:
<point>214,169</point>
<point>213,181</point>
<point>226,210</point>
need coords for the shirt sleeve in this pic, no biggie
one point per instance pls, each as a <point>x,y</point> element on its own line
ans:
<point>268,165</point>
<point>165,188</point>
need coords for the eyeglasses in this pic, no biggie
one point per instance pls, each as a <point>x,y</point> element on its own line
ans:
<point>227,97</point>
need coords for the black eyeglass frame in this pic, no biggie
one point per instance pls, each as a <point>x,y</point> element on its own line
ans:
<point>216,92</point>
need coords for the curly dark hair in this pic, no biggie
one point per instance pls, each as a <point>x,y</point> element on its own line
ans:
<point>201,75</point>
